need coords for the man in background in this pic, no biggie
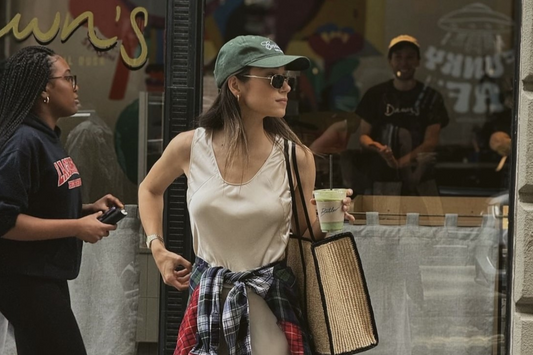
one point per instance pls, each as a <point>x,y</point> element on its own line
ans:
<point>400,124</point>
<point>397,124</point>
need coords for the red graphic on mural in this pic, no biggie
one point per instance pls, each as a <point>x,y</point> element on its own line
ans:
<point>342,43</point>
<point>105,13</point>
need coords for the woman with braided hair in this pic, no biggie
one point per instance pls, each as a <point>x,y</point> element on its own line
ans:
<point>42,219</point>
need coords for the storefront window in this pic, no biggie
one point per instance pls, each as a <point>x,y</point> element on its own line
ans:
<point>421,134</point>
<point>430,214</point>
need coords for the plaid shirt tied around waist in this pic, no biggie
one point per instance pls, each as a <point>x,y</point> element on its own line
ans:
<point>200,329</point>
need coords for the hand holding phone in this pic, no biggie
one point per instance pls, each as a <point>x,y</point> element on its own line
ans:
<point>113,215</point>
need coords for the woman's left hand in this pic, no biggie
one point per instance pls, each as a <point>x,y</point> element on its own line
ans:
<point>103,204</point>
<point>346,205</point>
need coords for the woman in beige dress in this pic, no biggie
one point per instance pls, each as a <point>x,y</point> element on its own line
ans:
<point>242,294</point>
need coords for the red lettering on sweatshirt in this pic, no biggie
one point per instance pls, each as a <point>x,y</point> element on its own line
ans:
<point>74,183</point>
<point>65,169</point>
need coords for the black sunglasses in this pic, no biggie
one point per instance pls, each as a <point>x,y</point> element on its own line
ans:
<point>276,80</point>
<point>72,79</point>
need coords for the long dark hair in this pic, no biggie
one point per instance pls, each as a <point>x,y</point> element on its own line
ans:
<point>24,77</point>
<point>225,114</point>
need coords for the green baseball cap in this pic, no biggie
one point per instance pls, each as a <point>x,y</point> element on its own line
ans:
<point>253,51</point>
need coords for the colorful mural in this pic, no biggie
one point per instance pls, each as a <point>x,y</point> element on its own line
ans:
<point>331,33</point>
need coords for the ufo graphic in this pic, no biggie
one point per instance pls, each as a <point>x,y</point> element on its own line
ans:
<point>476,28</point>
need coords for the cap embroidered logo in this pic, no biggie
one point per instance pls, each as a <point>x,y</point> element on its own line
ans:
<point>271,45</point>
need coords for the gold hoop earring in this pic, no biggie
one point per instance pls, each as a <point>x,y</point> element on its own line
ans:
<point>47,100</point>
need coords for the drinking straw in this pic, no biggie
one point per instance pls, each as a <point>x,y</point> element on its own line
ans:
<point>331,171</point>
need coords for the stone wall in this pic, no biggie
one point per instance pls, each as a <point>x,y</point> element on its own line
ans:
<point>522,270</point>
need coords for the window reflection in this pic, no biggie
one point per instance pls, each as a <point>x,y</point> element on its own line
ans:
<point>466,56</point>
<point>431,237</point>
<point>429,233</point>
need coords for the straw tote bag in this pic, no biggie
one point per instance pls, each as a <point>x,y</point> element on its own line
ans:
<point>333,291</point>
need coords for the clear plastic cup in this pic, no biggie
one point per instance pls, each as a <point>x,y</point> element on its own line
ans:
<point>329,207</point>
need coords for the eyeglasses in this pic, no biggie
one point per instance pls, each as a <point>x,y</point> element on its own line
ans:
<point>276,80</point>
<point>72,79</point>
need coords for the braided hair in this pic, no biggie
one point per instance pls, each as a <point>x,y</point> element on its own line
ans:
<point>24,76</point>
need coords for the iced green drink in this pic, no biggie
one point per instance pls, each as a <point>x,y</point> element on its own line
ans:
<point>329,208</point>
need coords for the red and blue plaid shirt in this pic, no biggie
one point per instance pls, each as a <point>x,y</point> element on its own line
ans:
<point>199,332</point>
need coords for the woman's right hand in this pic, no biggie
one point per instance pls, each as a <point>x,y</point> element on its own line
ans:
<point>91,230</point>
<point>175,269</point>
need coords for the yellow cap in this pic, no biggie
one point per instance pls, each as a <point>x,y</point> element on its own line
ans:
<point>403,38</point>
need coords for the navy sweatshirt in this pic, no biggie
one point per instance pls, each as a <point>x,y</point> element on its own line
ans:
<point>39,179</point>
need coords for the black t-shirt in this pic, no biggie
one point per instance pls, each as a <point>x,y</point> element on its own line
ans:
<point>384,106</point>
<point>399,119</point>
<point>39,179</point>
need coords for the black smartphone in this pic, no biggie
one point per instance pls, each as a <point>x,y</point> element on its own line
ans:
<point>112,215</point>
